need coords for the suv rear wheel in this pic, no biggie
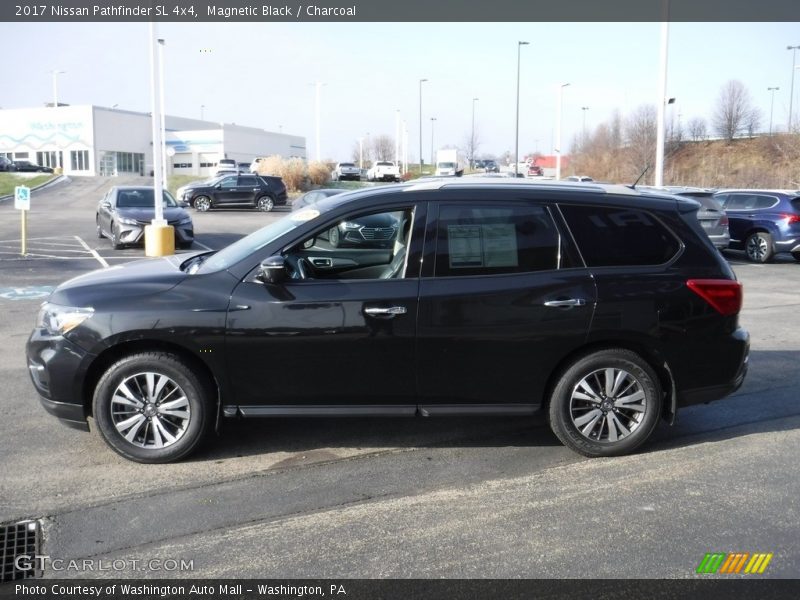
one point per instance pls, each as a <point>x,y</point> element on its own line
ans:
<point>606,403</point>
<point>202,203</point>
<point>265,204</point>
<point>152,408</point>
<point>758,247</point>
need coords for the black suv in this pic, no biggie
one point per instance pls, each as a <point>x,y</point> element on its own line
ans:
<point>236,191</point>
<point>604,307</point>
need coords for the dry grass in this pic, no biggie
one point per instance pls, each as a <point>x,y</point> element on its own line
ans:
<point>764,162</point>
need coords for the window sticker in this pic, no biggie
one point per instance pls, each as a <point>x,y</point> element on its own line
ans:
<point>464,246</point>
<point>471,246</point>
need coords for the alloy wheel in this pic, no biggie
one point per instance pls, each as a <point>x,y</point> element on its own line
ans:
<point>607,405</point>
<point>150,410</point>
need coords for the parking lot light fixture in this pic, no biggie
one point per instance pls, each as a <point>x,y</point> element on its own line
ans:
<point>516,128</point>
<point>558,130</point>
<point>791,88</point>
<point>161,44</point>
<point>421,81</point>
<point>771,105</point>
<point>55,86</point>
<point>433,159</point>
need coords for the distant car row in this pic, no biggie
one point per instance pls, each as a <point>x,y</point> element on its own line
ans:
<point>22,166</point>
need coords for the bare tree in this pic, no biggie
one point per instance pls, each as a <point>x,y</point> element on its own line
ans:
<point>614,131</point>
<point>361,151</point>
<point>383,147</point>
<point>640,133</point>
<point>697,129</point>
<point>472,142</point>
<point>752,121</point>
<point>733,107</point>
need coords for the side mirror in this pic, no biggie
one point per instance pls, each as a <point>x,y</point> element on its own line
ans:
<point>273,269</point>
<point>309,243</point>
<point>106,204</point>
<point>183,204</point>
<point>218,186</point>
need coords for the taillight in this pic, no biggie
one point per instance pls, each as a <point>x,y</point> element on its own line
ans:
<point>724,295</point>
<point>791,218</point>
<point>724,220</point>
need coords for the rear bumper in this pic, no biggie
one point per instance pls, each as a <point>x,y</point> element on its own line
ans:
<point>739,346</point>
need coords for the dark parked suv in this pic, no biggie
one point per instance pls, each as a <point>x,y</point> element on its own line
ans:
<point>603,307</point>
<point>237,191</point>
<point>763,223</point>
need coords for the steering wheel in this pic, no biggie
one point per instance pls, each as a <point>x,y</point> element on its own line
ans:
<point>300,267</point>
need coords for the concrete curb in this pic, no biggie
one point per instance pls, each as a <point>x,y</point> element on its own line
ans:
<point>57,181</point>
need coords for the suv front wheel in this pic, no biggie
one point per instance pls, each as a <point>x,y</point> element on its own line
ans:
<point>606,403</point>
<point>152,408</point>
<point>758,247</point>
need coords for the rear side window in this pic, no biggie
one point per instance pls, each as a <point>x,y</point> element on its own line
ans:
<point>248,181</point>
<point>766,201</point>
<point>610,236</point>
<point>482,240</point>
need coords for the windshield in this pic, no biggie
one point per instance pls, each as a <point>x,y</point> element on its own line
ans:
<point>142,198</point>
<point>255,241</point>
<point>446,165</point>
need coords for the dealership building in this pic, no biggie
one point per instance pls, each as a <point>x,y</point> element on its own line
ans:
<point>94,140</point>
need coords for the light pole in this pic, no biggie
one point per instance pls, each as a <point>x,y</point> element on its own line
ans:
<point>421,81</point>
<point>432,120</point>
<point>158,236</point>
<point>161,44</point>
<point>658,176</point>
<point>516,128</point>
<point>472,140</point>
<point>397,138</point>
<point>202,109</point>
<point>361,153</point>
<point>558,130</point>
<point>584,109</point>
<point>771,105</point>
<point>791,89</point>
<point>55,86</point>
<point>318,85</point>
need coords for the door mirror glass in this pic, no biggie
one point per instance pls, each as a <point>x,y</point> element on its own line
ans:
<point>309,243</point>
<point>105,204</point>
<point>273,269</point>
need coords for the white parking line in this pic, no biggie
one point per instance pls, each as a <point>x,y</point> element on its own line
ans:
<point>99,258</point>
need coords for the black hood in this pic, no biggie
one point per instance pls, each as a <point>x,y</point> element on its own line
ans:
<point>138,278</point>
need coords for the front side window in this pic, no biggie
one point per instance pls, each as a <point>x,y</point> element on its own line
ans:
<point>228,182</point>
<point>484,240</point>
<point>611,236</point>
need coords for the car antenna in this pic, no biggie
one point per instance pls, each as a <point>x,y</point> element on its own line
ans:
<point>638,179</point>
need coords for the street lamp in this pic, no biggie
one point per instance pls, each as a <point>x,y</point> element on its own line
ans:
<point>771,105</point>
<point>202,108</point>
<point>432,158</point>
<point>397,138</point>
<point>161,44</point>
<point>791,90</point>
<point>55,86</point>
<point>472,140</point>
<point>584,109</point>
<point>558,130</point>
<point>516,129</point>
<point>421,81</point>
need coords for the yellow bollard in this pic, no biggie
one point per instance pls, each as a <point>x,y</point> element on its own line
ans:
<point>159,240</point>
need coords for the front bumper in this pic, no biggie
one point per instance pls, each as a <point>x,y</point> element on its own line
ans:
<point>57,367</point>
<point>134,234</point>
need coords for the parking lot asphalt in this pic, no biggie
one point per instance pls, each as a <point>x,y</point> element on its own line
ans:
<point>399,498</point>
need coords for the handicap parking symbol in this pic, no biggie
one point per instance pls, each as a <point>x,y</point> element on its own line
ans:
<point>26,293</point>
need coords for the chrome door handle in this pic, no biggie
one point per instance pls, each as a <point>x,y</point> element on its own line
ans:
<point>566,303</point>
<point>385,312</point>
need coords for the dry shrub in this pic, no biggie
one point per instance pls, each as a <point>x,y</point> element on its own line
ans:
<point>292,171</point>
<point>319,173</point>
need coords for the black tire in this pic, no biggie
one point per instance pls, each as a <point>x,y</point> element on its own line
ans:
<point>334,237</point>
<point>188,432</point>
<point>758,247</point>
<point>99,229</point>
<point>202,203</point>
<point>115,243</point>
<point>585,425</point>
<point>796,256</point>
<point>265,204</point>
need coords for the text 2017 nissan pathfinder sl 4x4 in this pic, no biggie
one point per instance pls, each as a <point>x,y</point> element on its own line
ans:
<point>605,307</point>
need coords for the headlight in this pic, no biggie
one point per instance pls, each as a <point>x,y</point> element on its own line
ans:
<point>58,320</point>
<point>127,221</point>
<point>349,225</point>
<point>186,221</point>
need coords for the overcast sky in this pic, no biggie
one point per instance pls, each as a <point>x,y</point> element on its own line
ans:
<point>263,75</point>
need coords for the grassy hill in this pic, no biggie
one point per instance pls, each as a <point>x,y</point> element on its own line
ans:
<point>763,162</point>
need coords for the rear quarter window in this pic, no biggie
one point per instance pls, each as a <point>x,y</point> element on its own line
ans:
<point>610,236</point>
